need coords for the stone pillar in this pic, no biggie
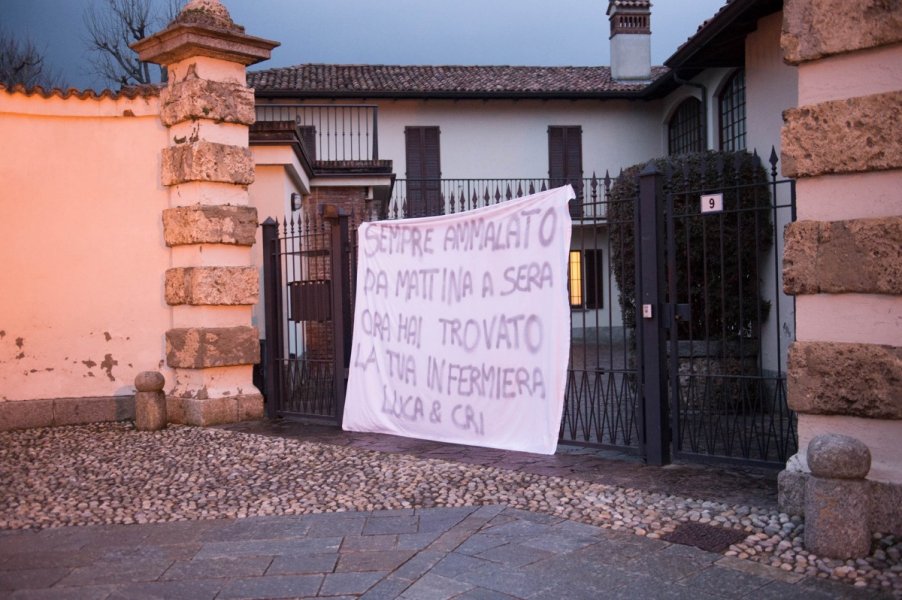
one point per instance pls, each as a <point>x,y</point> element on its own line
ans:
<point>212,285</point>
<point>836,498</point>
<point>843,257</point>
<point>150,401</point>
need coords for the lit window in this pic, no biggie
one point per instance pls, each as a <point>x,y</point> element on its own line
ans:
<point>586,279</point>
<point>576,278</point>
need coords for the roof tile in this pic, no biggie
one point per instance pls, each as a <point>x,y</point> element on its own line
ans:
<point>423,80</point>
<point>131,92</point>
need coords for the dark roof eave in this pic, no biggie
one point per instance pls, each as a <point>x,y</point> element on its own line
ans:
<point>418,95</point>
<point>722,20</point>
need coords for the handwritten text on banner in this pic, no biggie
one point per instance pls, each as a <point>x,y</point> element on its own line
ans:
<point>462,326</point>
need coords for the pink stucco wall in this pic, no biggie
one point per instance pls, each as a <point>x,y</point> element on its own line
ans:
<point>856,318</point>
<point>82,257</point>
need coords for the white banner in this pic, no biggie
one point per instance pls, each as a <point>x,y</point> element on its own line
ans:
<point>462,326</point>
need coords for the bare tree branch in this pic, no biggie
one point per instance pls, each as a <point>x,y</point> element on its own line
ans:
<point>116,24</point>
<point>22,63</point>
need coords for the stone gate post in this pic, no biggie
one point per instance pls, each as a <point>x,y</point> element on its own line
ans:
<point>212,285</point>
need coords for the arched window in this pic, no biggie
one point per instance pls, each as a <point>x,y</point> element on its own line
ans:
<point>684,131</point>
<point>732,113</point>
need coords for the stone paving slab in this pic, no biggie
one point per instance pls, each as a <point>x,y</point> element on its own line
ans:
<point>482,553</point>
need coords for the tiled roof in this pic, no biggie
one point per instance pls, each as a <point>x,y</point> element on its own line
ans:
<point>315,80</point>
<point>131,92</point>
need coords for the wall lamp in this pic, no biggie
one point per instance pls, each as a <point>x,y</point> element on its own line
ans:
<point>295,201</point>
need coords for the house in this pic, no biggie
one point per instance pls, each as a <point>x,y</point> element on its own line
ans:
<point>130,222</point>
<point>460,137</point>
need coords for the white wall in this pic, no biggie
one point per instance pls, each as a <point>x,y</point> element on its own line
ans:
<point>270,194</point>
<point>771,88</point>
<point>771,85</point>
<point>509,139</point>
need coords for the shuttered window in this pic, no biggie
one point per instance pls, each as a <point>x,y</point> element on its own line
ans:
<point>423,171</point>
<point>565,161</point>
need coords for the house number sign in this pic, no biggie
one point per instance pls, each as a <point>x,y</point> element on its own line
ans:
<point>712,203</point>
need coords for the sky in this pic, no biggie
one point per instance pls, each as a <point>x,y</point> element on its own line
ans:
<point>404,32</point>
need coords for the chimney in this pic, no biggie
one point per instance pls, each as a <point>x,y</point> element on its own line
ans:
<point>630,39</point>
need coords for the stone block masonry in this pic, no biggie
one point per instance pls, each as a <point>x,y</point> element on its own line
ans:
<point>861,380</point>
<point>843,136</point>
<point>195,98</point>
<point>817,257</point>
<point>204,104</point>
<point>844,145</point>
<point>186,225</point>
<point>207,161</point>
<point>212,286</point>
<point>204,347</point>
<point>814,29</point>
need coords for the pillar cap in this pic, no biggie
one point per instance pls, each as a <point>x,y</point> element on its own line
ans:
<point>203,28</point>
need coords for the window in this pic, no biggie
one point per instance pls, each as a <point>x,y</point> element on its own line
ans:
<point>732,113</point>
<point>565,161</point>
<point>684,131</point>
<point>586,279</point>
<point>576,279</point>
<point>424,172</point>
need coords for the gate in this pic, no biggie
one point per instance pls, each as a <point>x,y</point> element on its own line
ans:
<point>679,328</point>
<point>308,290</point>
<point>602,404</point>
<point>715,325</point>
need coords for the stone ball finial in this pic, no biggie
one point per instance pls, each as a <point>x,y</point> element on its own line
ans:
<point>836,456</point>
<point>207,12</point>
<point>149,381</point>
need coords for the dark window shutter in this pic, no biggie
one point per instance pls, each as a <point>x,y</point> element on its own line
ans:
<point>424,171</point>
<point>594,277</point>
<point>565,162</point>
<point>307,134</point>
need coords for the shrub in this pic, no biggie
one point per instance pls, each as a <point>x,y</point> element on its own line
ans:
<point>716,256</point>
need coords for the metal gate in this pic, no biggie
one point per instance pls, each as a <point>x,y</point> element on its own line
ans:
<point>715,324</point>
<point>679,327</point>
<point>308,291</point>
<point>602,404</point>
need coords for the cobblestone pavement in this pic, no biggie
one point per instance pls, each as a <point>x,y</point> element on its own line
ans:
<point>104,511</point>
<point>732,485</point>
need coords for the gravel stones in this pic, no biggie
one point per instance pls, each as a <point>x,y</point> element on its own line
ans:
<point>111,473</point>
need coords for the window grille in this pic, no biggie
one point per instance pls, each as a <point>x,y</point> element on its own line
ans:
<point>684,131</point>
<point>732,114</point>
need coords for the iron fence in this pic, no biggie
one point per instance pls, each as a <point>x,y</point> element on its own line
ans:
<point>430,197</point>
<point>602,402</point>
<point>331,132</point>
